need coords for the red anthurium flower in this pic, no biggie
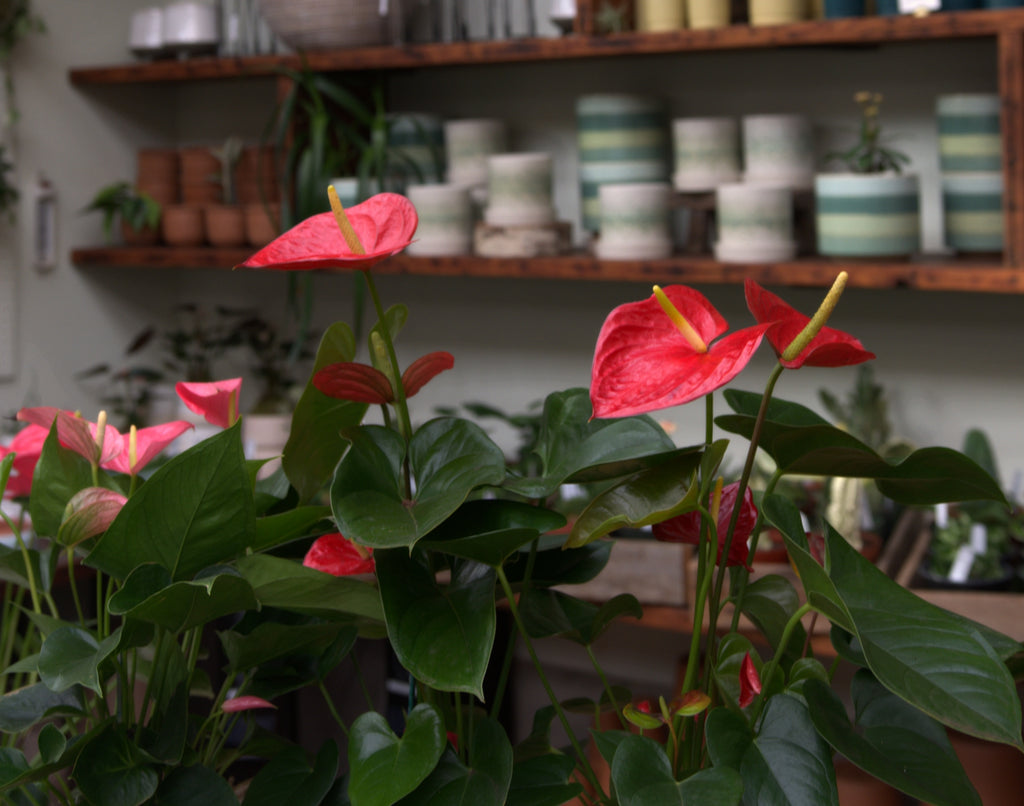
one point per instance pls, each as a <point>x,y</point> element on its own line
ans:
<point>685,528</point>
<point>643,362</point>
<point>217,402</point>
<point>26,446</point>
<point>750,682</point>
<point>140,447</point>
<point>365,384</point>
<point>830,348</point>
<point>385,224</point>
<point>77,434</point>
<point>337,555</point>
<point>246,703</point>
<point>89,513</point>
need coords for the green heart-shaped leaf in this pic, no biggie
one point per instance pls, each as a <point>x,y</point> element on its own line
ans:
<point>553,565</point>
<point>289,778</point>
<point>276,530</point>
<point>543,780</point>
<point>769,602</point>
<point>271,641</point>
<point>24,707</point>
<point>459,619</point>
<point>110,770</point>
<point>314,444</point>
<point>59,474</point>
<point>187,786</point>
<point>548,612</point>
<point>448,458</point>
<point>72,656</point>
<point>642,775</point>
<point>384,768</point>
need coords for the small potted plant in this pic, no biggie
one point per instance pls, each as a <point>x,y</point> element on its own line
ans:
<point>225,222</point>
<point>872,209</point>
<point>139,213</point>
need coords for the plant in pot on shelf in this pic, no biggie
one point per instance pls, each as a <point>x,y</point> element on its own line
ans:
<point>426,534</point>
<point>976,545</point>
<point>138,213</point>
<point>225,222</point>
<point>873,209</point>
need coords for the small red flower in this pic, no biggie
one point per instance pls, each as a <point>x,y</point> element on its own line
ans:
<point>142,447</point>
<point>830,348</point>
<point>76,433</point>
<point>750,682</point>
<point>246,703</point>
<point>385,224</point>
<point>337,555</point>
<point>643,362</point>
<point>27,446</point>
<point>217,402</point>
<point>685,528</point>
<point>365,384</point>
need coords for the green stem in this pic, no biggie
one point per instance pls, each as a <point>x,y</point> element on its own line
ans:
<point>330,705</point>
<point>706,551</point>
<point>607,686</point>
<point>506,664</point>
<point>361,678</point>
<point>401,405</point>
<point>29,573</point>
<point>588,771</point>
<point>769,668</point>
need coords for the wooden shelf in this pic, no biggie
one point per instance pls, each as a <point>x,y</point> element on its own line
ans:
<point>850,31</point>
<point>933,275</point>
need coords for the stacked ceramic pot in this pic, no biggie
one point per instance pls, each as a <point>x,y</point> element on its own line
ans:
<point>635,221</point>
<point>622,139</point>
<point>445,220</point>
<point>417,149</point>
<point>468,145</point>
<point>970,158</point>
<point>778,150</point>
<point>707,153</point>
<point>519,190</point>
<point>755,223</point>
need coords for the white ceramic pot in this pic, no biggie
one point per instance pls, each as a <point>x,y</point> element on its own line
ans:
<point>867,215</point>
<point>635,221</point>
<point>445,220</point>
<point>468,145</point>
<point>755,223</point>
<point>519,190</point>
<point>707,153</point>
<point>779,150</point>
<point>660,15</point>
<point>970,138</point>
<point>972,206</point>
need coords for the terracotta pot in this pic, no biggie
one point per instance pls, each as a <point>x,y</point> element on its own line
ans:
<point>182,225</point>
<point>158,174</point>
<point>139,237</point>
<point>200,176</point>
<point>225,225</point>
<point>256,178</point>
<point>262,223</point>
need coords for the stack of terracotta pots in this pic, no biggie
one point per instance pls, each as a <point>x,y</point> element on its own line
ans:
<point>183,222</point>
<point>258,194</point>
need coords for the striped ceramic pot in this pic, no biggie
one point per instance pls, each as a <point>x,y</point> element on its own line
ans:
<point>972,207</point>
<point>868,215</point>
<point>969,133</point>
<point>621,138</point>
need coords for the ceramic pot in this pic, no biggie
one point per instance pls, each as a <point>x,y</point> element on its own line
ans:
<point>835,9</point>
<point>183,225</point>
<point>157,174</point>
<point>970,137</point>
<point>417,141</point>
<point>445,220</point>
<point>325,24</point>
<point>139,237</point>
<point>707,153</point>
<point>887,8</point>
<point>660,15</point>
<point>262,223</point>
<point>200,173</point>
<point>468,145</point>
<point>519,190</point>
<point>778,150</point>
<point>635,221</point>
<point>702,14</point>
<point>225,225</point>
<point>867,215</point>
<point>255,177</point>
<point>777,12</point>
<point>972,210</point>
<point>755,223</point>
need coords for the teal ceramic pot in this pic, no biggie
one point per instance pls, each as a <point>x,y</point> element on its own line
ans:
<point>887,8</point>
<point>1003,3</point>
<point>621,138</point>
<point>844,8</point>
<point>972,206</point>
<point>417,142</point>
<point>960,5</point>
<point>867,215</point>
<point>970,138</point>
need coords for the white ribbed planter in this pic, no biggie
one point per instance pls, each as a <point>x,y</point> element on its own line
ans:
<point>325,24</point>
<point>868,215</point>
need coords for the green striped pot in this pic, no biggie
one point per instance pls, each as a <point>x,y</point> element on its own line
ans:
<point>969,132</point>
<point>973,211</point>
<point>867,215</point>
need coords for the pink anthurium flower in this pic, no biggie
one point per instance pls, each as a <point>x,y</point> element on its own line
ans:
<point>216,401</point>
<point>89,513</point>
<point>649,358</point>
<point>384,223</point>
<point>140,446</point>
<point>245,703</point>
<point>750,681</point>
<point>365,384</point>
<point>685,528</point>
<point>77,434</point>
<point>26,446</point>
<point>337,555</point>
<point>829,348</point>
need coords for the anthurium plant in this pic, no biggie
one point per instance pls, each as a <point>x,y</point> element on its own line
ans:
<point>417,533</point>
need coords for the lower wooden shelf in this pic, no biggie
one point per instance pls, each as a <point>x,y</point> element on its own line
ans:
<point>926,273</point>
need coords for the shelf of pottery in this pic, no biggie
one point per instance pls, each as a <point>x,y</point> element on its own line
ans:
<point>744,189</point>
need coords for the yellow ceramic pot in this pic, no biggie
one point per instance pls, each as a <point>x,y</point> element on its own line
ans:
<point>777,12</point>
<point>660,15</point>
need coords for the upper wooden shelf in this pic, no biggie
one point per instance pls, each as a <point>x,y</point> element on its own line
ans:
<point>854,30</point>
<point>934,275</point>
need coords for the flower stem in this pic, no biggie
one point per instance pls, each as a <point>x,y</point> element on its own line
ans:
<point>401,405</point>
<point>769,668</point>
<point>607,685</point>
<point>330,705</point>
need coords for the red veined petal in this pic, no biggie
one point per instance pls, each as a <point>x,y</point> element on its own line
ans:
<point>385,224</point>
<point>685,528</point>
<point>347,380</point>
<point>149,442</point>
<point>75,433</point>
<point>89,513</point>
<point>337,555</point>
<point>246,703</point>
<point>424,369</point>
<point>216,402</point>
<point>750,681</point>
<point>830,348</point>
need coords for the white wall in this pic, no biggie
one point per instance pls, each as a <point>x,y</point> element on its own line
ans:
<point>949,361</point>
